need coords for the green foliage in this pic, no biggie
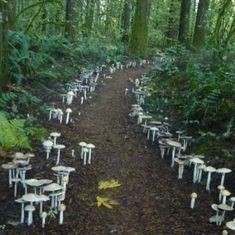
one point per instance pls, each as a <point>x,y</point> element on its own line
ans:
<point>198,90</point>
<point>16,134</point>
<point>98,50</point>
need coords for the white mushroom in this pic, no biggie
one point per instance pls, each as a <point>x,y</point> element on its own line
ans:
<point>82,100</point>
<point>62,208</point>
<point>55,135</point>
<point>68,111</point>
<point>210,170</point>
<point>59,147</point>
<point>47,146</point>
<point>231,225</point>
<point>232,200</point>
<point>60,115</point>
<point>30,210</point>
<point>196,161</point>
<point>21,201</point>
<point>16,181</point>
<point>225,194</point>
<point>43,216</point>
<point>82,145</point>
<point>221,188</point>
<point>10,166</point>
<point>225,232</point>
<point>70,96</point>
<point>85,152</point>
<point>199,172</point>
<point>90,147</point>
<point>193,198</point>
<point>181,167</point>
<point>223,171</point>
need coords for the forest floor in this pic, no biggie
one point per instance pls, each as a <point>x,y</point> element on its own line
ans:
<point>151,200</point>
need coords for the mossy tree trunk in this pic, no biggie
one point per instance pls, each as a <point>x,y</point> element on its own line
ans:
<point>4,50</point>
<point>184,29</point>
<point>126,20</point>
<point>89,18</point>
<point>138,45</point>
<point>199,37</point>
<point>69,29</point>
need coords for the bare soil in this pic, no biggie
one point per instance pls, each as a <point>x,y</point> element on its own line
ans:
<point>151,199</point>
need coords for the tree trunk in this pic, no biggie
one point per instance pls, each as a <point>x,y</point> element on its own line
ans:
<point>139,36</point>
<point>184,22</point>
<point>172,27</point>
<point>69,30</point>
<point>199,37</point>
<point>4,58</point>
<point>126,20</point>
<point>89,17</point>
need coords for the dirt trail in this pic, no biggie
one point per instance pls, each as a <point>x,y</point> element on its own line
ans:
<point>151,199</point>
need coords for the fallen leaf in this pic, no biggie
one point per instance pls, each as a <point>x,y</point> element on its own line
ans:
<point>105,201</point>
<point>109,184</point>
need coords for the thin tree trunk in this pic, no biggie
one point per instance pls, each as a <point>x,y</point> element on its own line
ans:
<point>4,53</point>
<point>139,37</point>
<point>199,37</point>
<point>126,20</point>
<point>173,25</point>
<point>69,28</point>
<point>184,22</point>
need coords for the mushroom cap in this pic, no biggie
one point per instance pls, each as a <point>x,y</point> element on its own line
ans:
<point>9,165</point>
<point>214,207</point>
<point>55,134</point>
<point>202,166</point>
<point>232,199</point>
<point>70,93</point>
<point>221,187</point>
<point>20,162</point>
<point>154,128</point>
<point>90,146</point>
<point>29,155</point>
<point>68,110</point>
<point>58,168</point>
<point>196,160</point>
<point>146,117</point>
<point>194,195</point>
<point>30,197</point>
<point>174,143</point>
<point>59,146</point>
<point>155,122</point>
<point>82,144</point>
<point>19,200</point>
<point>52,187</point>
<point>45,181</point>
<point>29,208</point>
<point>210,169</point>
<point>225,207</point>
<point>32,182</point>
<point>180,162</point>
<point>70,169</point>
<point>43,214</point>
<point>231,225</point>
<point>223,170</point>
<point>179,132</point>
<point>198,156</point>
<point>18,155</point>
<point>226,193</point>
<point>62,207</point>
<point>47,143</point>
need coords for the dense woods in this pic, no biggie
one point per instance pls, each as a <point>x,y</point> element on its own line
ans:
<point>191,44</point>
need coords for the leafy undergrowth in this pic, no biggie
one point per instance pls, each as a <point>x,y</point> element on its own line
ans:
<point>197,94</point>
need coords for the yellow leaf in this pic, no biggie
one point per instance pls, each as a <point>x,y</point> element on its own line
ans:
<point>105,201</point>
<point>108,184</point>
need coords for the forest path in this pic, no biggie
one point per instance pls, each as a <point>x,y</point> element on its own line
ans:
<point>152,201</point>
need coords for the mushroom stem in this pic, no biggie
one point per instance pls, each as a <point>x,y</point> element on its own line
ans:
<point>208,181</point>
<point>222,179</point>
<point>10,178</point>
<point>67,118</point>
<point>22,213</point>
<point>224,199</point>
<point>82,100</point>
<point>173,157</point>
<point>58,157</point>
<point>89,157</point>
<point>192,203</point>
<point>84,157</point>
<point>195,173</point>
<point>181,170</point>
<point>48,153</point>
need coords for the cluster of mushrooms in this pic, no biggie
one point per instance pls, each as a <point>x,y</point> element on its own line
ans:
<point>175,146</point>
<point>34,194</point>
<point>44,196</point>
